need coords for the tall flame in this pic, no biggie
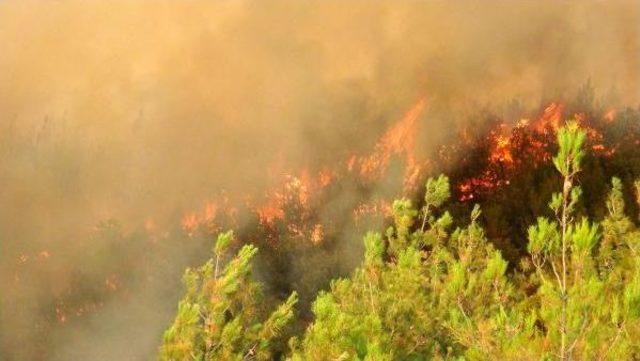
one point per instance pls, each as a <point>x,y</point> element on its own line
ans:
<point>398,140</point>
<point>303,185</point>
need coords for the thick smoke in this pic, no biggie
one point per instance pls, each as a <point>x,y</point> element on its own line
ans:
<point>139,110</point>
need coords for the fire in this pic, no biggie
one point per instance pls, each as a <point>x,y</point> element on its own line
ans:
<point>501,150</point>
<point>300,186</point>
<point>610,115</point>
<point>271,210</point>
<point>351,163</point>
<point>398,140</point>
<point>379,207</point>
<point>508,146</point>
<point>550,119</point>
<point>297,189</point>
<point>526,142</point>
<point>290,208</point>
<point>325,177</point>
<point>210,211</point>
<point>190,223</point>
<point>317,236</point>
<point>208,215</point>
<point>64,313</point>
<point>302,189</point>
<point>484,182</point>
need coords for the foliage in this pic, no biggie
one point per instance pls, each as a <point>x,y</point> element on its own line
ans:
<point>220,315</point>
<point>583,270</point>
<point>426,290</point>
<point>418,295</point>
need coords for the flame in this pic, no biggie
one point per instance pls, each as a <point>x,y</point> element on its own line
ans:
<point>527,141</point>
<point>501,149</point>
<point>325,177</point>
<point>351,162</point>
<point>398,140</point>
<point>550,119</point>
<point>317,236</point>
<point>208,214</point>
<point>374,207</point>
<point>302,189</point>
<point>271,210</point>
<point>287,209</point>
<point>610,115</point>
<point>64,313</point>
<point>508,146</point>
<point>210,211</point>
<point>190,223</point>
<point>290,207</point>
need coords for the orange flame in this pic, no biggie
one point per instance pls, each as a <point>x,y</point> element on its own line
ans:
<point>527,139</point>
<point>379,207</point>
<point>610,115</point>
<point>550,118</point>
<point>271,210</point>
<point>303,187</point>
<point>399,139</point>
<point>190,223</point>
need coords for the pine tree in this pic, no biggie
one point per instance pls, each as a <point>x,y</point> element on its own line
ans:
<point>426,292</point>
<point>586,273</point>
<point>419,294</point>
<point>220,316</point>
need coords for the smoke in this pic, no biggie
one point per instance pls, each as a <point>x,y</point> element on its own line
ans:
<point>140,110</point>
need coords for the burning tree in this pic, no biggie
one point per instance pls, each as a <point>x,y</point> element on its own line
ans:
<point>423,292</point>
<point>426,292</point>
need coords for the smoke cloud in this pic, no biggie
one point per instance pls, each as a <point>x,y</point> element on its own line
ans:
<point>140,110</point>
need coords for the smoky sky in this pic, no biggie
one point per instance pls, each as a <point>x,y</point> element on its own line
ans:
<point>135,109</point>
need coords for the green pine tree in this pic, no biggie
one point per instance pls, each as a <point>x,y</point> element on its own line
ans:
<point>220,316</point>
<point>424,291</point>
<point>587,274</point>
<point>420,294</point>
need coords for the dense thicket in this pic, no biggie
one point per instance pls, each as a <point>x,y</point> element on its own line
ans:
<point>427,291</point>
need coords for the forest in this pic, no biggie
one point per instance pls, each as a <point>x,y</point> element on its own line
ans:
<point>319,180</point>
<point>431,287</point>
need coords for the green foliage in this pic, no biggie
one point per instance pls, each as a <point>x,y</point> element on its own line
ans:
<point>429,298</point>
<point>222,243</point>
<point>437,191</point>
<point>425,291</point>
<point>441,295</point>
<point>374,249</point>
<point>582,272</point>
<point>403,217</point>
<point>544,238</point>
<point>219,317</point>
<point>570,141</point>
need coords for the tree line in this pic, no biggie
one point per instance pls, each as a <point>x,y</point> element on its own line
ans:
<point>427,291</point>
